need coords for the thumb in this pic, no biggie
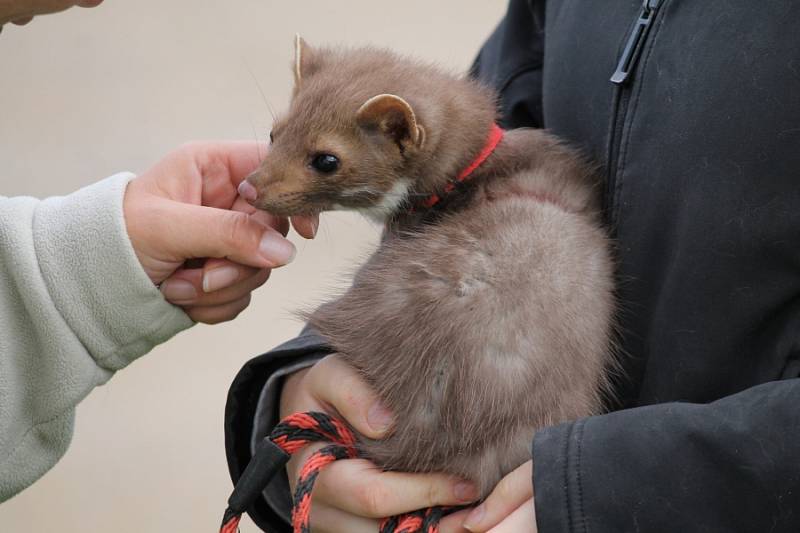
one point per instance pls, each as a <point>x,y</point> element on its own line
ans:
<point>333,382</point>
<point>198,231</point>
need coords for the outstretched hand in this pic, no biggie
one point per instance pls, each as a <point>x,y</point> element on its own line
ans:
<point>353,495</point>
<point>187,207</point>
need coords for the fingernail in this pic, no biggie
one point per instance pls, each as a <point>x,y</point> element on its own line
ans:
<point>474,518</point>
<point>276,249</point>
<point>219,278</point>
<point>247,191</point>
<point>378,417</point>
<point>178,290</point>
<point>465,492</point>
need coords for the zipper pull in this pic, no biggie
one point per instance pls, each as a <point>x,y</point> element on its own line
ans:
<point>633,48</point>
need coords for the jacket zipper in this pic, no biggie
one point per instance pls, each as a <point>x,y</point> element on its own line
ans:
<point>633,48</point>
<point>621,78</point>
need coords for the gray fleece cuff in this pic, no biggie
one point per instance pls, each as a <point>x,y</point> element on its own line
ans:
<point>95,279</point>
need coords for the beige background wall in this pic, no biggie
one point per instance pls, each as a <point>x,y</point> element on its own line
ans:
<point>86,93</point>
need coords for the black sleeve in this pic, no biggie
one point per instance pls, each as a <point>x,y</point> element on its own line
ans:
<point>731,465</point>
<point>511,63</point>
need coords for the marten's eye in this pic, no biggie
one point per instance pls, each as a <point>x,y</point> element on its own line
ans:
<point>325,163</point>
<point>271,137</point>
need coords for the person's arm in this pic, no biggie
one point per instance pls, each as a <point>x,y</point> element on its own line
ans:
<point>75,306</point>
<point>78,285</point>
<point>732,465</point>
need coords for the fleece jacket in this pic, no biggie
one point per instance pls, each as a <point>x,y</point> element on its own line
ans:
<point>75,307</point>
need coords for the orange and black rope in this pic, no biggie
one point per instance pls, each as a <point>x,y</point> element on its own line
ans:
<point>292,434</point>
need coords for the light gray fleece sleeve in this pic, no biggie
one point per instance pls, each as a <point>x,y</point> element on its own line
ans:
<point>75,306</point>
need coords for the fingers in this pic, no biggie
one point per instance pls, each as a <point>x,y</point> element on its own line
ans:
<point>187,206</point>
<point>512,491</point>
<point>359,487</point>
<point>453,523</point>
<point>326,519</point>
<point>165,232</point>
<point>233,160</point>
<point>219,282</point>
<point>224,281</point>
<point>335,383</point>
<point>197,231</point>
<point>305,226</point>
<point>523,520</point>
<point>219,313</point>
<point>88,3</point>
<point>352,493</point>
<point>223,166</point>
<point>218,292</point>
<point>206,173</point>
<point>329,520</point>
<point>295,397</point>
<point>243,157</point>
<point>297,461</point>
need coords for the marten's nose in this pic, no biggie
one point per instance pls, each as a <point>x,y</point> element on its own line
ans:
<point>247,191</point>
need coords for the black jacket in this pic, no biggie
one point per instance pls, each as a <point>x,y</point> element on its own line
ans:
<point>701,148</point>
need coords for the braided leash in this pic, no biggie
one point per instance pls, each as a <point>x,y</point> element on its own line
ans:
<point>292,434</point>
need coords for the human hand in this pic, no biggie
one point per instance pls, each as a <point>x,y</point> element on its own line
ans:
<point>509,508</point>
<point>22,11</point>
<point>353,495</point>
<point>522,520</point>
<point>187,207</point>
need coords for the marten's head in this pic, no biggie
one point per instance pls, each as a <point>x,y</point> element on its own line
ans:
<point>360,133</point>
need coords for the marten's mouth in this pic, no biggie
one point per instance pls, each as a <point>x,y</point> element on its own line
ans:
<point>308,203</point>
<point>290,204</point>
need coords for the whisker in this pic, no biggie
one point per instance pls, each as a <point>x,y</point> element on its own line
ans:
<point>260,90</point>
<point>255,135</point>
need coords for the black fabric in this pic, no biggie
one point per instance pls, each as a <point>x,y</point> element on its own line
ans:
<point>702,155</point>
<point>511,62</point>
<point>728,466</point>
<point>701,151</point>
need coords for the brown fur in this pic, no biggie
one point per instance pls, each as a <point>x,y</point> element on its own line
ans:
<point>478,324</point>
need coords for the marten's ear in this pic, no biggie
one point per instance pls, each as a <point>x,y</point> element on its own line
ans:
<point>394,117</point>
<point>306,61</point>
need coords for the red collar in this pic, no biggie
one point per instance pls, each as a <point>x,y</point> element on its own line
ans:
<point>495,136</point>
